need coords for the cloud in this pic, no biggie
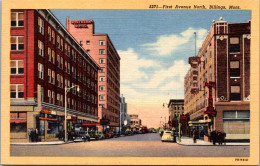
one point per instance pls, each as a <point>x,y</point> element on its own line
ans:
<point>131,66</point>
<point>166,44</point>
<point>178,69</point>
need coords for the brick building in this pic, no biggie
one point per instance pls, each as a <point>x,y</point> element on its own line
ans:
<point>101,49</point>
<point>223,63</point>
<point>44,59</point>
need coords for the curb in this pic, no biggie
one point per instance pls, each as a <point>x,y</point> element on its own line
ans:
<point>40,144</point>
<point>211,145</point>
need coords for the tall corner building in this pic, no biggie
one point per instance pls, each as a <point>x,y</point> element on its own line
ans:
<point>223,65</point>
<point>44,59</point>
<point>101,49</point>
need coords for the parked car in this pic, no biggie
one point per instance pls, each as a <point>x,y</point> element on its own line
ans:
<point>100,135</point>
<point>93,135</point>
<point>81,136</point>
<point>168,136</point>
<point>108,134</point>
<point>116,134</point>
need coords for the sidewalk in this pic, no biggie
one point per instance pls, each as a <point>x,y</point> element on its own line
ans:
<point>188,141</point>
<point>41,143</point>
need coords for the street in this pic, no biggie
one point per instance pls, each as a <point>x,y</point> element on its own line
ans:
<point>142,145</point>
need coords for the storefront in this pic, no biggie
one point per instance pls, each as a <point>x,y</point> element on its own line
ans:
<point>202,127</point>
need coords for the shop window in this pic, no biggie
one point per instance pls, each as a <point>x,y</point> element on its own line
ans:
<point>234,45</point>
<point>17,19</point>
<point>16,91</point>
<point>17,43</point>
<point>18,127</point>
<point>235,93</point>
<point>40,71</point>
<point>234,69</point>
<point>40,26</point>
<point>17,67</point>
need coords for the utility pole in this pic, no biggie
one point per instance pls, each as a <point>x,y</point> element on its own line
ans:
<point>179,121</point>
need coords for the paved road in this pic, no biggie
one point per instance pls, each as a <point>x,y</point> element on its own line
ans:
<point>138,145</point>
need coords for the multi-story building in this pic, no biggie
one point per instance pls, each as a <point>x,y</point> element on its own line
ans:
<point>124,118</point>
<point>176,108</point>
<point>45,58</point>
<point>223,66</point>
<point>136,123</point>
<point>101,49</point>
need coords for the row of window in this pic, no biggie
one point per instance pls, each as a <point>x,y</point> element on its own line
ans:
<point>101,42</point>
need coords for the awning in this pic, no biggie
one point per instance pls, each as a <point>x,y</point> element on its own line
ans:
<point>199,122</point>
<point>18,120</point>
<point>47,119</point>
<point>90,124</point>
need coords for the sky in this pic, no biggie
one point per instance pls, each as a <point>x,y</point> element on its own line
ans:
<point>154,46</point>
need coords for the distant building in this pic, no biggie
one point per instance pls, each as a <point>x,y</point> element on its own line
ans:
<point>102,50</point>
<point>222,63</point>
<point>125,119</point>
<point>136,123</point>
<point>176,108</point>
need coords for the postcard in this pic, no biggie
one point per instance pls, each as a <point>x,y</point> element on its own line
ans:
<point>150,82</point>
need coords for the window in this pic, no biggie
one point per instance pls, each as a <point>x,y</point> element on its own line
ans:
<point>17,43</point>
<point>101,79</point>
<point>68,54</point>
<point>81,43</point>
<point>49,75</point>
<point>40,48</point>
<point>53,98</point>
<point>40,71</point>
<point>49,33</point>
<point>65,66</point>
<point>49,54</point>
<point>16,91</point>
<point>234,44</point>
<point>102,70</point>
<point>101,97</point>
<point>58,80</point>
<point>236,122</point>
<point>17,67</point>
<point>58,99</point>
<point>17,19</point>
<point>101,42</point>
<point>234,69</point>
<point>61,44</point>
<point>20,127</point>
<point>101,88</point>
<point>58,61</point>
<point>53,37</point>
<point>49,96</point>
<point>53,56</point>
<point>61,62</point>
<point>101,60</point>
<point>88,51</point>
<point>40,26</point>
<point>101,51</point>
<point>61,81</point>
<point>235,93</point>
<point>42,94</point>
<point>69,68</point>
<point>65,48</point>
<point>58,41</point>
<point>53,77</point>
<point>88,42</point>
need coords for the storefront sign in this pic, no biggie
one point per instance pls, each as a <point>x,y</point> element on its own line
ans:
<point>46,111</point>
<point>194,62</point>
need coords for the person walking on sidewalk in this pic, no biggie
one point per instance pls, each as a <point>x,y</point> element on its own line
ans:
<point>214,136</point>
<point>194,136</point>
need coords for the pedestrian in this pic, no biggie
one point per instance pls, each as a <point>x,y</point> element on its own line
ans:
<point>194,136</point>
<point>36,135</point>
<point>213,136</point>
<point>30,135</point>
<point>210,139</point>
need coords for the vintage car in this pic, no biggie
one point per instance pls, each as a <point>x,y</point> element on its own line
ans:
<point>81,136</point>
<point>168,136</point>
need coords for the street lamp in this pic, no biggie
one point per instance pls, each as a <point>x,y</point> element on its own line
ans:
<point>65,109</point>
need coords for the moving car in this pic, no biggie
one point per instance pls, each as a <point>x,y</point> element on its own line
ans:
<point>168,136</point>
<point>81,136</point>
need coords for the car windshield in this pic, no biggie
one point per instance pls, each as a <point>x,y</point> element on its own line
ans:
<point>168,132</point>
